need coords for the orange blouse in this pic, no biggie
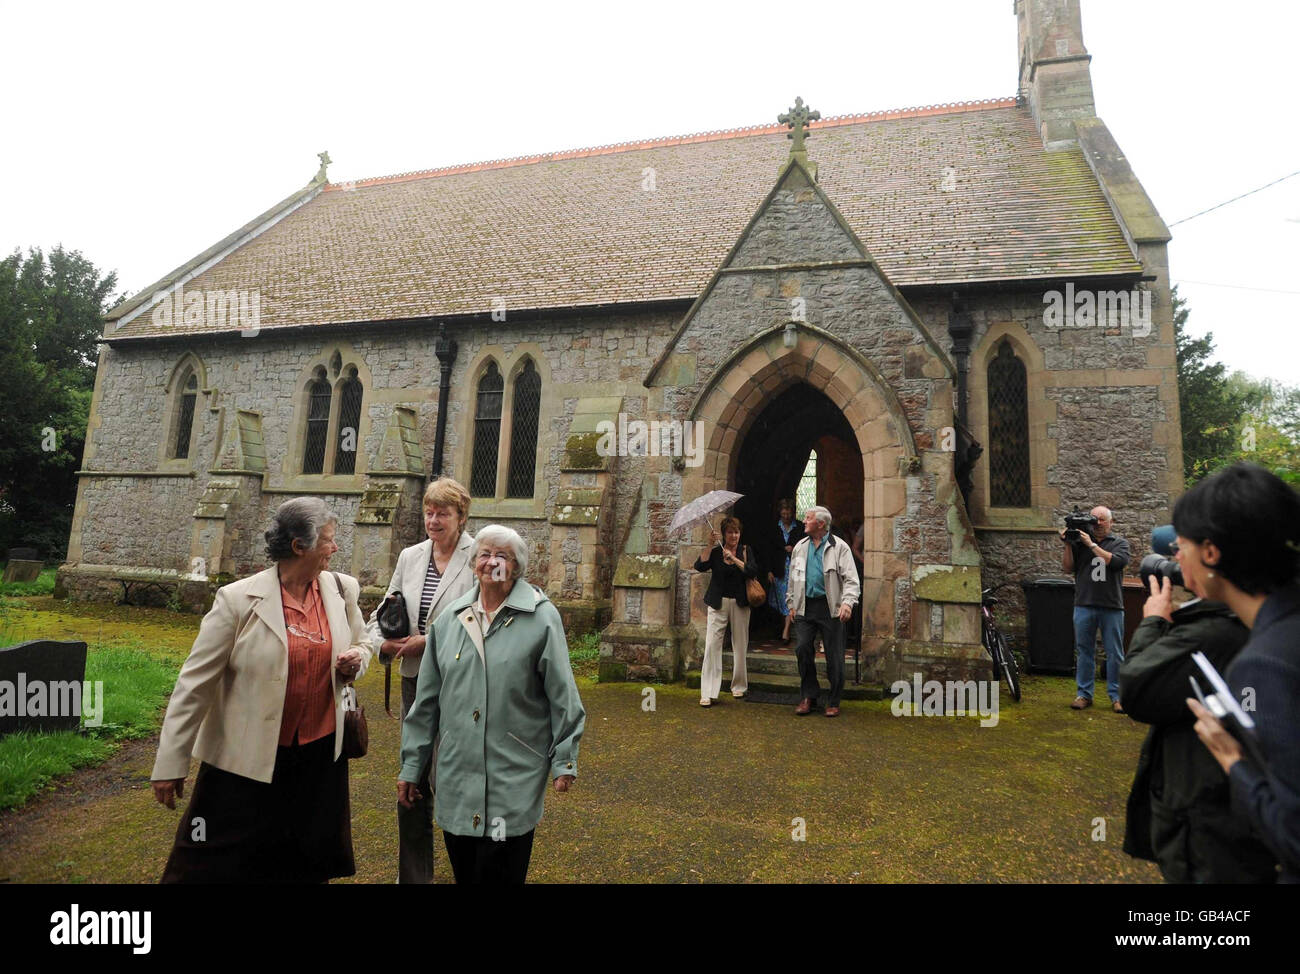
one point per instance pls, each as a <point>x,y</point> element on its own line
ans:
<point>309,693</point>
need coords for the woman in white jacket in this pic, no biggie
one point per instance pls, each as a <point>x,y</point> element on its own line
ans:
<point>430,575</point>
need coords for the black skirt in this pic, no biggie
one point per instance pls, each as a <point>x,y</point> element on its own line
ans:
<point>297,829</point>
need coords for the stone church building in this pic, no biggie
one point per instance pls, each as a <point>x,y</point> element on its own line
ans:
<point>961,311</point>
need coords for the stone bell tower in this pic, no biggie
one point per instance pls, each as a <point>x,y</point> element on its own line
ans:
<point>1054,75</point>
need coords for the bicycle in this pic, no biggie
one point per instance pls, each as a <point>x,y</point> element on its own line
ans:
<point>1004,663</point>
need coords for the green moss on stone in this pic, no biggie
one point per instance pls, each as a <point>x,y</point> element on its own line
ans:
<point>581,454</point>
<point>645,571</point>
<point>946,583</point>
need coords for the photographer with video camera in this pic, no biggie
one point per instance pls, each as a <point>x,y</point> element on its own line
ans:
<point>1179,813</point>
<point>1239,543</point>
<point>1097,559</point>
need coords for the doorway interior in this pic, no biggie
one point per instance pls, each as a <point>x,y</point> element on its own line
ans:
<point>799,446</point>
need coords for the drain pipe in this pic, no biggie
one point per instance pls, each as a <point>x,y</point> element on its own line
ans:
<point>445,348</point>
<point>961,328</point>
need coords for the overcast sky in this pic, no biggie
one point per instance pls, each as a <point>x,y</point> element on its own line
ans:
<point>141,133</point>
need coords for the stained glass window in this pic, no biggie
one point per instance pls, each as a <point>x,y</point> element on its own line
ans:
<point>1008,390</point>
<point>487,434</point>
<point>523,435</point>
<point>805,496</point>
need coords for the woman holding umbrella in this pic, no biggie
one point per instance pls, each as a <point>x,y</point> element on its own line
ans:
<point>730,567</point>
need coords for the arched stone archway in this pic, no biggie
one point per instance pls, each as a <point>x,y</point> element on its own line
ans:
<point>730,404</point>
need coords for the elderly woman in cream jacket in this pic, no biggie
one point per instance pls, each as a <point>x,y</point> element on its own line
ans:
<point>495,686</point>
<point>259,701</point>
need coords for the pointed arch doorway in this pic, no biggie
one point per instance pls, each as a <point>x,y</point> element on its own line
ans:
<point>799,425</point>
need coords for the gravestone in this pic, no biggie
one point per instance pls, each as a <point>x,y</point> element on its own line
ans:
<point>22,570</point>
<point>41,684</point>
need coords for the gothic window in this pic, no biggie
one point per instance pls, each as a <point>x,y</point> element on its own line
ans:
<point>523,432</point>
<point>805,495</point>
<point>345,452</point>
<point>1008,395</point>
<point>487,433</point>
<point>185,418</point>
<point>318,421</point>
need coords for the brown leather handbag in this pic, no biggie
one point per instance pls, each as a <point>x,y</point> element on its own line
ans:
<point>356,732</point>
<point>755,594</point>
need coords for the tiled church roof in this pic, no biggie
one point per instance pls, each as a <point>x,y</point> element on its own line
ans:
<point>943,195</point>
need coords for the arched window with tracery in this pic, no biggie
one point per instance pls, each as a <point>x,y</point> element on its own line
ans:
<point>523,431</point>
<point>318,422</point>
<point>184,429</point>
<point>1008,403</point>
<point>345,450</point>
<point>487,433</point>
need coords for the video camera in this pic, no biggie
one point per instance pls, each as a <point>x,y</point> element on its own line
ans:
<point>1159,564</point>
<point>1077,524</point>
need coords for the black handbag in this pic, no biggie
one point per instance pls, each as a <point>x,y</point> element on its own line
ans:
<point>394,623</point>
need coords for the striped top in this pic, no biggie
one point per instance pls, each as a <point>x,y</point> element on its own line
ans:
<point>432,579</point>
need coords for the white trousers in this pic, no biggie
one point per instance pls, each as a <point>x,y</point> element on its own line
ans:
<point>735,614</point>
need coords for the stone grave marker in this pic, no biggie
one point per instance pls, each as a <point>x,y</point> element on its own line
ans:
<point>41,684</point>
<point>22,570</point>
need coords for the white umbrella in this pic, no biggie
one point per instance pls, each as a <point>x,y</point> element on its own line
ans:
<point>701,509</point>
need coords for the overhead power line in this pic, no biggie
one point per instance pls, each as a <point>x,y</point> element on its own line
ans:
<point>1234,199</point>
<point>1235,287</point>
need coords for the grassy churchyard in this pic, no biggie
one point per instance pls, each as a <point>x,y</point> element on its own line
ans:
<point>677,794</point>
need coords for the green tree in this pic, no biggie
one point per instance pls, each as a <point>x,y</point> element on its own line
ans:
<point>1269,431</point>
<point>1209,408</point>
<point>51,312</point>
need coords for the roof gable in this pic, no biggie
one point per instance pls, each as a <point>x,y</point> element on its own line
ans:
<point>797,227</point>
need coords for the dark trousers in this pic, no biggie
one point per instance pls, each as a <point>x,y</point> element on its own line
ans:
<point>415,824</point>
<point>818,618</point>
<point>490,862</point>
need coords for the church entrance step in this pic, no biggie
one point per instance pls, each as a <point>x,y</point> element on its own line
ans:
<point>788,686</point>
<point>781,663</point>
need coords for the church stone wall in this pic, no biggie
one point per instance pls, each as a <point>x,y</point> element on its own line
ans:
<point>147,521</point>
<point>1112,435</point>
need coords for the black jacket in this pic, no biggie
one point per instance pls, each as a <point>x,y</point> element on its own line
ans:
<point>726,581</point>
<point>1270,665</point>
<point>774,555</point>
<point>1179,812</point>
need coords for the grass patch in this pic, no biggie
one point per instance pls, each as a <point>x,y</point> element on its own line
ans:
<point>44,584</point>
<point>135,685</point>
<point>584,654</point>
<point>584,647</point>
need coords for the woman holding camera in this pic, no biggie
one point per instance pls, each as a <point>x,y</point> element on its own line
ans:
<point>1179,813</point>
<point>1239,543</point>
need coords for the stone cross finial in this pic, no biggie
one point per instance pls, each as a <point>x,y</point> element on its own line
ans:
<point>797,119</point>
<point>325,160</point>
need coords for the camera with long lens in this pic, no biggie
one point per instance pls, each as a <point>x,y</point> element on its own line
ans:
<point>1077,524</point>
<point>1159,564</point>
